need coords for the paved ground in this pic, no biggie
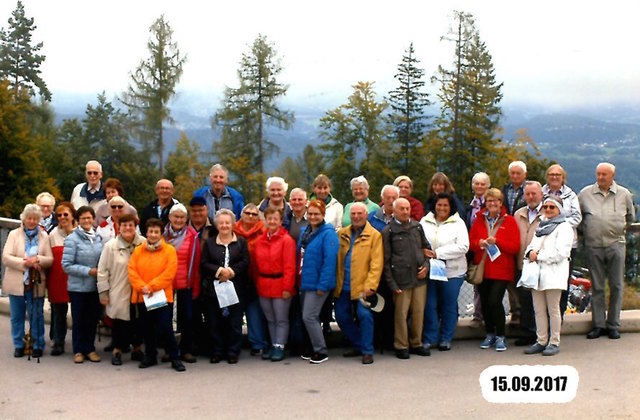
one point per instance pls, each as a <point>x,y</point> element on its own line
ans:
<point>444,385</point>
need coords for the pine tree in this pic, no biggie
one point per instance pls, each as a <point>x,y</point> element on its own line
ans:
<point>153,85</point>
<point>302,170</point>
<point>185,168</point>
<point>19,60</point>
<point>407,120</point>
<point>246,112</point>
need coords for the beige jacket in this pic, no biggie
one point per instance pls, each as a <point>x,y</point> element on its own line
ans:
<point>527,230</point>
<point>13,259</point>
<point>605,218</point>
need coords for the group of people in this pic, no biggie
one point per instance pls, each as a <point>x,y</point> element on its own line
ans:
<point>391,272</point>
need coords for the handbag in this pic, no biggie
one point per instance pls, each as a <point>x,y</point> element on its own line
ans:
<point>475,272</point>
<point>530,275</point>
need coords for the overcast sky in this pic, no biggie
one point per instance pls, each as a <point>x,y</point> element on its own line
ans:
<point>546,52</point>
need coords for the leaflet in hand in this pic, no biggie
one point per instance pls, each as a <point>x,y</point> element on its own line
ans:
<point>437,270</point>
<point>226,293</point>
<point>493,251</point>
<point>155,300</point>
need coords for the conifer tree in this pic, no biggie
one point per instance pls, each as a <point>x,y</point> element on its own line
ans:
<point>185,168</point>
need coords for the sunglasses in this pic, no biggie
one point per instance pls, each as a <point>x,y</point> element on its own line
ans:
<point>93,173</point>
<point>117,206</point>
<point>62,214</point>
<point>251,214</point>
<point>548,207</point>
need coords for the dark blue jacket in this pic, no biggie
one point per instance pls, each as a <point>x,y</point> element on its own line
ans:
<point>320,259</point>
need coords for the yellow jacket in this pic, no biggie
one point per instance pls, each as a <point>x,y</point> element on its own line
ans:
<point>366,260</point>
<point>155,269</point>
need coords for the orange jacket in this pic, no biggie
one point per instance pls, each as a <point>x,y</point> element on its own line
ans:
<point>155,269</point>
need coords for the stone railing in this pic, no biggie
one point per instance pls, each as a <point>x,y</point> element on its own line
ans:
<point>6,225</point>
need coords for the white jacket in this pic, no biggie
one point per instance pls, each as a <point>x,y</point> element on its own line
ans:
<point>450,241</point>
<point>333,213</point>
<point>553,256</point>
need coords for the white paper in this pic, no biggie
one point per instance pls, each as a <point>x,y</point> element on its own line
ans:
<point>155,300</point>
<point>493,251</point>
<point>226,293</point>
<point>437,270</point>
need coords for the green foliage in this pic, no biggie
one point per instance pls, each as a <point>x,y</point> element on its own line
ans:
<point>19,60</point>
<point>245,113</point>
<point>152,86</point>
<point>185,168</point>
<point>355,142</point>
<point>302,171</point>
<point>22,176</point>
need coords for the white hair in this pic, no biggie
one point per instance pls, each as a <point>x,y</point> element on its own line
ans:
<point>518,163</point>
<point>277,180</point>
<point>178,207</point>
<point>94,162</point>
<point>359,180</point>
<point>481,175</point>
<point>389,186</point>
<point>45,195</point>
<point>297,190</point>
<point>359,204</point>
<point>218,167</point>
<point>30,209</point>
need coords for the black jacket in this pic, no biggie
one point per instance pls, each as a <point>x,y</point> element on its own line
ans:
<point>212,259</point>
<point>403,254</point>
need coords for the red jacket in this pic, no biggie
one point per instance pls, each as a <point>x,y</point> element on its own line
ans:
<point>507,240</point>
<point>188,273</point>
<point>275,264</point>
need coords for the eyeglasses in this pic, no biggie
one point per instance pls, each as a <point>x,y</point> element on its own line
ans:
<point>117,206</point>
<point>548,207</point>
<point>250,214</point>
<point>62,215</point>
<point>93,173</point>
<point>554,175</point>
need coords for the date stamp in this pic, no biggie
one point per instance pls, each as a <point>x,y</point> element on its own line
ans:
<point>529,384</point>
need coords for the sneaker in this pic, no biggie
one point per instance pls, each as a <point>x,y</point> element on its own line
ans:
<point>535,349</point>
<point>93,357</point>
<point>489,341</point>
<point>256,352</point>
<point>501,345</point>
<point>177,365</point>
<point>306,356</point>
<point>78,358</point>
<point>318,358</point>
<point>116,359</point>
<point>444,346</point>
<point>551,350</point>
<point>266,355</point>
<point>277,354</point>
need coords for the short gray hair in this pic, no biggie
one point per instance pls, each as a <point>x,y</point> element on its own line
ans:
<point>520,164</point>
<point>359,180</point>
<point>298,190</point>
<point>94,162</point>
<point>46,195</point>
<point>224,212</point>
<point>481,175</point>
<point>218,167</point>
<point>278,180</point>
<point>31,208</point>
<point>389,186</point>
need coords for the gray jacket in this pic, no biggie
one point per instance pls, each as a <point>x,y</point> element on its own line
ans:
<point>79,256</point>
<point>404,246</point>
<point>605,218</point>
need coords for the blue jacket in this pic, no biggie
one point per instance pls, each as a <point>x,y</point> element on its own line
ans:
<point>233,195</point>
<point>320,259</point>
<point>78,257</point>
<point>376,219</point>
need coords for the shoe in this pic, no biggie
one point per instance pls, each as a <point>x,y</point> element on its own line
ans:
<point>306,356</point>
<point>188,357</point>
<point>164,358</point>
<point>318,358</point>
<point>57,350</point>
<point>352,353</point>
<point>256,352</point>
<point>489,341</point>
<point>476,323</point>
<point>613,333</point>
<point>177,365</point>
<point>232,360</point>
<point>501,344</point>
<point>367,359</point>
<point>596,332</point>
<point>116,359</point>
<point>78,358</point>
<point>420,351</point>
<point>93,357</point>
<point>444,346</point>
<point>277,355</point>
<point>37,353</point>
<point>137,356</point>
<point>551,350</point>
<point>525,341</point>
<point>148,362</point>
<point>18,352</point>
<point>402,354</point>
<point>266,355</point>
<point>535,349</point>
<point>215,359</point>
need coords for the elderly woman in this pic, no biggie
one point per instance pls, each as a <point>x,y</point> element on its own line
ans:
<point>25,255</point>
<point>225,258</point>
<point>551,249</point>
<point>47,202</point>
<point>186,284</point>
<point>82,249</point>
<point>57,278</point>
<point>441,183</point>
<point>113,188</point>
<point>276,191</point>
<point>405,186</point>
<point>251,227</point>
<point>317,253</point>
<point>322,191</point>
<point>113,284</point>
<point>275,271</point>
<point>360,193</point>
<point>556,186</point>
<point>108,229</point>
<point>447,234</point>
<point>494,230</point>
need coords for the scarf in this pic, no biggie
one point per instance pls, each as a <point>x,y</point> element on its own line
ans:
<point>153,247</point>
<point>46,222</point>
<point>174,237</point>
<point>549,225</point>
<point>30,247</point>
<point>91,233</point>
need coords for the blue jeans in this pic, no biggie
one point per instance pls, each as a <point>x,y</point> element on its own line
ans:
<point>361,337</point>
<point>19,305</point>
<point>256,325</point>
<point>441,310</point>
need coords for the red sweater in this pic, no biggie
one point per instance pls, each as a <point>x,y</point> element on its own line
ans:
<point>275,264</point>
<point>507,240</point>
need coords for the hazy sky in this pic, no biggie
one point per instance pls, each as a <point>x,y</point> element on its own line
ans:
<point>546,52</point>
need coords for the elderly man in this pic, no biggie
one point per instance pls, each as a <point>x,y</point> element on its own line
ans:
<point>405,271</point>
<point>276,191</point>
<point>527,219</point>
<point>360,193</point>
<point>160,207</point>
<point>219,195</point>
<point>607,208</point>
<point>90,193</point>
<point>381,217</point>
<point>298,221</point>
<point>360,262</point>
<point>46,202</point>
